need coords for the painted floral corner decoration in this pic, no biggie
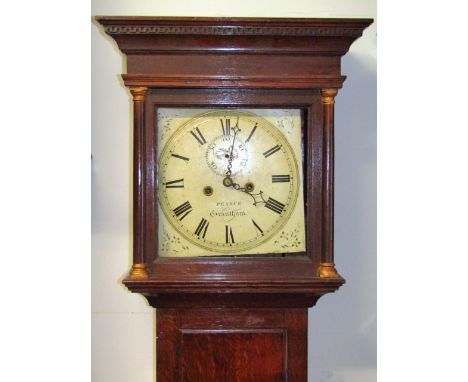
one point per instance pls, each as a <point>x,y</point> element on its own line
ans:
<point>170,119</point>
<point>164,125</point>
<point>172,244</point>
<point>289,239</point>
<point>286,123</point>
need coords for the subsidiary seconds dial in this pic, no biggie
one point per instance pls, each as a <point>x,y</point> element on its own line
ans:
<point>228,181</point>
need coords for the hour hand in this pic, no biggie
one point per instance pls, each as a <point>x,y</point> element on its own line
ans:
<point>247,189</point>
<point>257,198</point>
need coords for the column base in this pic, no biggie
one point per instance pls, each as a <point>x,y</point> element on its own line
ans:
<point>328,270</point>
<point>138,272</point>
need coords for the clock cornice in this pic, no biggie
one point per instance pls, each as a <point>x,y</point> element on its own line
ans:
<point>255,52</point>
<point>179,35</point>
<point>234,26</point>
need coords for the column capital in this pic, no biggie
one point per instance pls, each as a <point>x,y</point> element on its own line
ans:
<point>139,93</point>
<point>328,96</point>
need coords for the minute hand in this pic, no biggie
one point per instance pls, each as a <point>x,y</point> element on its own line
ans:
<point>229,166</point>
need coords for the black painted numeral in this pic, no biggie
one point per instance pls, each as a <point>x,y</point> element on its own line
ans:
<point>183,210</point>
<point>258,227</point>
<point>198,136</point>
<point>229,235</point>
<point>202,228</point>
<point>280,178</point>
<point>251,133</point>
<point>274,205</point>
<point>180,157</point>
<point>178,183</point>
<point>271,151</point>
<point>226,126</point>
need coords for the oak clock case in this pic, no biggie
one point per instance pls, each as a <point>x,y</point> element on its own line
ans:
<point>230,182</point>
<point>233,168</point>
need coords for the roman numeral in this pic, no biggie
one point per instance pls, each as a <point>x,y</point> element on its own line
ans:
<point>198,136</point>
<point>280,178</point>
<point>274,205</point>
<point>229,235</point>
<point>179,183</point>
<point>251,133</point>
<point>271,151</point>
<point>227,127</point>
<point>202,227</point>
<point>183,210</point>
<point>257,226</point>
<point>180,157</point>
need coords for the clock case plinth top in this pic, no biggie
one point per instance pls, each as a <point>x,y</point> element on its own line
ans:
<point>234,62</point>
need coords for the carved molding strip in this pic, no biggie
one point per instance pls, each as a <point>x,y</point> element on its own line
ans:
<point>233,31</point>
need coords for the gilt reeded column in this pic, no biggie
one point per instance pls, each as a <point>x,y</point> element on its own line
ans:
<point>327,265</point>
<point>138,271</point>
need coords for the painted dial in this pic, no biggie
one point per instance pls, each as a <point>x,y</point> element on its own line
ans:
<point>227,180</point>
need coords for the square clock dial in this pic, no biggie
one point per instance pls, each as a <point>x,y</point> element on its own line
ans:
<point>230,182</point>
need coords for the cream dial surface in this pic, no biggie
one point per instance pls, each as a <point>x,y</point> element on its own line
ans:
<point>260,152</point>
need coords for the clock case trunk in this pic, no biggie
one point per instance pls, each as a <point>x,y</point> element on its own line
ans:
<point>234,318</point>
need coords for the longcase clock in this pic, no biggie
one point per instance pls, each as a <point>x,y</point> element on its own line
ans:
<point>233,187</point>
